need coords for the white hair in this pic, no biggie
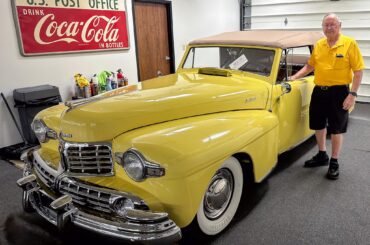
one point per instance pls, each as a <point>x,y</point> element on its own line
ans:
<point>332,15</point>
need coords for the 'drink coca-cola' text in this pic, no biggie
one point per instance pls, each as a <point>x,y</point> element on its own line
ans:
<point>97,28</point>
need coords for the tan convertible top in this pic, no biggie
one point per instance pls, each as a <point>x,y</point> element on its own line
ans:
<point>277,39</point>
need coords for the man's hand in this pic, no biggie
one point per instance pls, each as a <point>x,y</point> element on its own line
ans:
<point>302,72</point>
<point>290,78</point>
<point>349,102</point>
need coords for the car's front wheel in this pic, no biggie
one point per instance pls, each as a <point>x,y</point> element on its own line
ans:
<point>222,198</point>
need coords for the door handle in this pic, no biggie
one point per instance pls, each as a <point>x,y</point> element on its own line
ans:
<point>168,58</point>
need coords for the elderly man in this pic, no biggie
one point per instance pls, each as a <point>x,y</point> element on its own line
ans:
<point>337,62</point>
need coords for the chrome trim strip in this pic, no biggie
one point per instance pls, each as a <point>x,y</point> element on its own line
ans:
<point>154,233</point>
<point>139,215</point>
<point>72,104</point>
<point>103,190</point>
<point>43,171</point>
<point>75,103</point>
<point>44,165</point>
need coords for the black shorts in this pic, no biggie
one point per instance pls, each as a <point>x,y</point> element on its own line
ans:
<point>326,109</point>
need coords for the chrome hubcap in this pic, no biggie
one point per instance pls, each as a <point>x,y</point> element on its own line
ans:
<point>218,195</point>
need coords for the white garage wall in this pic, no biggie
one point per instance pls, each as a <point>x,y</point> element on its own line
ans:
<point>191,19</point>
<point>199,18</point>
<point>307,15</point>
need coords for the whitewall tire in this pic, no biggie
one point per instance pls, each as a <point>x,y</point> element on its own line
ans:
<point>221,199</point>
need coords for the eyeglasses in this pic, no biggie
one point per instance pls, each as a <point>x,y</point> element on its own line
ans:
<point>327,26</point>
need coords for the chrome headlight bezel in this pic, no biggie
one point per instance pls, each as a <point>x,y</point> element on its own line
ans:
<point>42,132</point>
<point>144,168</point>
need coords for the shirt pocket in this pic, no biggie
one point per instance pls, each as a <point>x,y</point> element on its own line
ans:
<point>341,63</point>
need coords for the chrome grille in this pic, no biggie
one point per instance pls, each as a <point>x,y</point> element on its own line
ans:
<point>88,159</point>
<point>44,173</point>
<point>86,195</point>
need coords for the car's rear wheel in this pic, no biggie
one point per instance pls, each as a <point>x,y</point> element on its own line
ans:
<point>221,199</point>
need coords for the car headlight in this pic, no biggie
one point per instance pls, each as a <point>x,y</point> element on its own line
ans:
<point>42,132</point>
<point>137,167</point>
<point>134,166</point>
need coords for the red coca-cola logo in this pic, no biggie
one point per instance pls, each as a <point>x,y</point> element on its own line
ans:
<point>46,30</point>
<point>91,30</point>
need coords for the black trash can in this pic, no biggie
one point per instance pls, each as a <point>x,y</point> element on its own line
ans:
<point>32,100</point>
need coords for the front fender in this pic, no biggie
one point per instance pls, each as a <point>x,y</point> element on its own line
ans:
<point>191,150</point>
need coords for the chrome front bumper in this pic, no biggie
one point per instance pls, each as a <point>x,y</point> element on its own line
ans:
<point>60,210</point>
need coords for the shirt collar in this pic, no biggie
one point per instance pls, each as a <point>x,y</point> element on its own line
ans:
<point>339,43</point>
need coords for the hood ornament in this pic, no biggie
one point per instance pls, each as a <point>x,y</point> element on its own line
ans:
<point>73,104</point>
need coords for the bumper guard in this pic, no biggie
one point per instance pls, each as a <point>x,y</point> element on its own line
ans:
<point>136,225</point>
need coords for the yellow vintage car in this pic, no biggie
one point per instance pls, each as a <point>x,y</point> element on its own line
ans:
<point>144,161</point>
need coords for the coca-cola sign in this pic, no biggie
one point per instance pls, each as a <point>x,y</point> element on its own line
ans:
<point>61,26</point>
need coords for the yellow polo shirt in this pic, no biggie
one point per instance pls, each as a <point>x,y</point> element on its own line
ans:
<point>335,65</point>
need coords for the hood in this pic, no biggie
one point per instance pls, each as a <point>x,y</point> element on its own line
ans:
<point>162,99</point>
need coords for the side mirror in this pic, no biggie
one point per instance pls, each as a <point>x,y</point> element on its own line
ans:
<point>286,88</point>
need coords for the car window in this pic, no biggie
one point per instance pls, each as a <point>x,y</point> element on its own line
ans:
<point>292,60</point>
<point>252,60</point>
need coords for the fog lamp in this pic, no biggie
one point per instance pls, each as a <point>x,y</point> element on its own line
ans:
<point>120,205</point>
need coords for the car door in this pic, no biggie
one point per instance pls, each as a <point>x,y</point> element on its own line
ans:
<point>292,107</point>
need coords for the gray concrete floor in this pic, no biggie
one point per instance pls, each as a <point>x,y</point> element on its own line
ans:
<point>294,205</point>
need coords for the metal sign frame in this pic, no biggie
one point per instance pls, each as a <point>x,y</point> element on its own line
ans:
<point>47,27</point>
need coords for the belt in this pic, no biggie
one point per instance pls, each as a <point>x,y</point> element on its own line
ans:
<point>329,87</point>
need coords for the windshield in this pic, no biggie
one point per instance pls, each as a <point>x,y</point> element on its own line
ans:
<point>255,60</point>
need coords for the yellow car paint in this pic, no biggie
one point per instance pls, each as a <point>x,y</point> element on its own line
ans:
<point>189,123</point>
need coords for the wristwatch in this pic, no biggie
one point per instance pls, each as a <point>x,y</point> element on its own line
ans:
<point>353,93</point>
